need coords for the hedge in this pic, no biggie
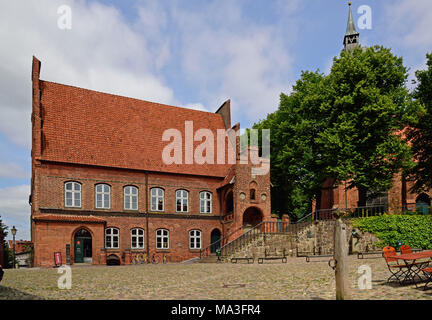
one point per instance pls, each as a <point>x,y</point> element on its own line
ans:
<point>413,230</point>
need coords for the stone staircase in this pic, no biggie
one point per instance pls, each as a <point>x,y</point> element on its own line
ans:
<point>271,236</point>
<point>212,258</point>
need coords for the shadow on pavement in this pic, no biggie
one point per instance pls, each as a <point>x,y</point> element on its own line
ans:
<point>7,293</point>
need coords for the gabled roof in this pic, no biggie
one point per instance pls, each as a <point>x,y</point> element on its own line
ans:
<point>88,127</point>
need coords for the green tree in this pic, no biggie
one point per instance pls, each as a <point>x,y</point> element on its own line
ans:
<point>343,126</point>
<point>3,234</point>
<point>369,108</point>
<point>420,133</point>
<point>295,154</point>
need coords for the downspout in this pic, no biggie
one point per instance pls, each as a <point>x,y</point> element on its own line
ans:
<point>146,214</point>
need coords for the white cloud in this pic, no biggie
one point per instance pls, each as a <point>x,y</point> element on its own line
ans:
<point>12,170</point>
<point>101,52</point>
<point>226,56</point>
<point>15,209</point>
<point>410,23</point>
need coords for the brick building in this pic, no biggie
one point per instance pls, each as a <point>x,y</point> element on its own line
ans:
<point>101,192</point>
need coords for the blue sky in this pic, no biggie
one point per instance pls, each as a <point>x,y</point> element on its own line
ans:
<point>188,53</point>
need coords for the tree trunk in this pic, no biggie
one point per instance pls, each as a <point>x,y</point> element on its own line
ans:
<point>341,257</point>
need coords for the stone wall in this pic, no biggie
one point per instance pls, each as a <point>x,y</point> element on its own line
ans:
<point>317,238</point>
<point>311,238</point>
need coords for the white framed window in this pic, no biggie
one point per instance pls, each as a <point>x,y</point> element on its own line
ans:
<point>162,239</point>
<point>195,239</point>
<point>112,238</point>
<point>205,202</point>
<point>73,194</point>
<point>182,201</point>
<point>137,238</point>
<point>157,199</point>
<point>130,198</point>
<point>103,197</point>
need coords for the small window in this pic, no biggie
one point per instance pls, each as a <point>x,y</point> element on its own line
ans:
<point>103,200</point>
<point>195,239</point>
<point>131,198</point>
<point>157,199</point>
<point>205,202</point>
<point>137,238</point>
<point>162,239</point>
<point>182,201</point>
<point>252,194</point>
<point>112,238</point>
<point>73,194</point>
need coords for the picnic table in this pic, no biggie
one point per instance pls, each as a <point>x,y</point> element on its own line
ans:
<point>413,268</point>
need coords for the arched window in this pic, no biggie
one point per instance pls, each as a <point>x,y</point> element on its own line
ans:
<point>195,239</point>
<point>205,202</point>
<point>182,201</point>
<point>131,198</point>
<point>137,238</point>
<point>162,239</point>
<point>73,194</point>
<point>252,194</point>
<point>157,199</point>
<point>103,197</point>
<point>112,238</point>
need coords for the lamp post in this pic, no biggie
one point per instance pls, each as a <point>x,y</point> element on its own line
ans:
<point>14,231</point>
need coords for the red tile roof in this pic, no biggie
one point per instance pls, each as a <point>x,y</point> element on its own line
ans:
<point>228,178</point>
<point>93,128</point>
<point>20,245</point>
<point>68,218</point>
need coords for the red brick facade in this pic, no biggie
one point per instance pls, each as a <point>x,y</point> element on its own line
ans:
<point>91,138</point>
<point>399,197</point>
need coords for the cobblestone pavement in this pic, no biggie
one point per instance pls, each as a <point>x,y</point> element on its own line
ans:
<point>271,280</point>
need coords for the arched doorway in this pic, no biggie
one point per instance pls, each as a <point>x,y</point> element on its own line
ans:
<point>251,217</point>
<point>113,260</point>
<point>215,238</point>
<point>423,203</point>
<point>83,246</point>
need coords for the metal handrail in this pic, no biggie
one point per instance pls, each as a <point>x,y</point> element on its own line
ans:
<point>204,252</point>
<point>249,236</point>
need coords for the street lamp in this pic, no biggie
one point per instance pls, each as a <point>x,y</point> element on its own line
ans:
<point>14,231</point>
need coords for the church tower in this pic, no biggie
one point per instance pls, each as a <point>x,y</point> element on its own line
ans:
<point>351,39</point>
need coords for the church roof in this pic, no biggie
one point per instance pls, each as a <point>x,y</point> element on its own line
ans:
<point>88,127</point>
<point>350,30</point>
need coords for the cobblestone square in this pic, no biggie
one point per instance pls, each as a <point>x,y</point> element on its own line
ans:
<point>294,280</point>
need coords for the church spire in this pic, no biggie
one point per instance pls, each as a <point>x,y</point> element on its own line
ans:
<point>351,39</point>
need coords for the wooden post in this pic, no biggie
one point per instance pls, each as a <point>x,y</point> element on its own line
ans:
<point>341,257</point>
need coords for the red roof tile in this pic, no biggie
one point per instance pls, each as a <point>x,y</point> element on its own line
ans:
<point>20,245</point>
<point>68,218</point>
<point>88,127</point>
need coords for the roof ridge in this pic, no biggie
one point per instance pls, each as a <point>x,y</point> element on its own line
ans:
<point>129,98</point>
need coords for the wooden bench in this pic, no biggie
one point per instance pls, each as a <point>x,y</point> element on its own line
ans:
<point>318,256</point>
<point>248,259</point>
<point>273,256</point>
